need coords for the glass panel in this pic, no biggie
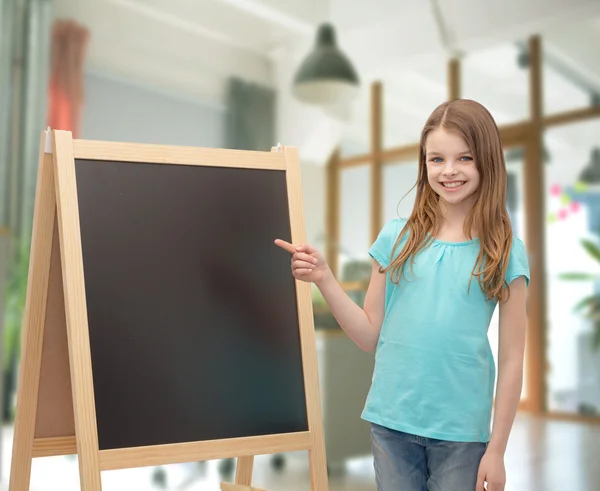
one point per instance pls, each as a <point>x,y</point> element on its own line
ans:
<point>356,137</point>
<point>515,158</point>
<point>398,180</point>
<point>573,213</point>
<point>352,145</point>
<point>570,66</point>
<point>355,216</point>
<point>496,78</point>
<point>409,97</point>
<point>514,199</point>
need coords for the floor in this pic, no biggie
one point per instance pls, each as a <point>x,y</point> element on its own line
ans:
<point>543,455</point>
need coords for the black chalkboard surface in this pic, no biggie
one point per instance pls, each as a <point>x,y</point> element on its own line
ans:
<point>162,323</point>
<point>192,313</point>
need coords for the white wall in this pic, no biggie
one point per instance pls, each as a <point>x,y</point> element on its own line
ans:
<point>355,204</point>
<point>121,110</point>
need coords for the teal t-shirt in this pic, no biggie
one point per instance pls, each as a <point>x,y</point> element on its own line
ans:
<point>434,368</point>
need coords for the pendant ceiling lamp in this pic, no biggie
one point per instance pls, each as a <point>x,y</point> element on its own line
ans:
<point>326,76</point>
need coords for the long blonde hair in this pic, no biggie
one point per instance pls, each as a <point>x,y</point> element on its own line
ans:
<point>489,215</point>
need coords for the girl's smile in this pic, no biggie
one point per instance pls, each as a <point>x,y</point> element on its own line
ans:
<point>453,185</point>
<point>451,169</point>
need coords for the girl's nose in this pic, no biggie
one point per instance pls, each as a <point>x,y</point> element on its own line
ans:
<point>449,169</point>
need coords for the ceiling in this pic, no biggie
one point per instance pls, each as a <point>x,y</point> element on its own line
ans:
<point>191,47</point>
<point>491,75</point>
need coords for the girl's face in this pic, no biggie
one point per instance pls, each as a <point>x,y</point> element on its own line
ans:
<point>451,169</point>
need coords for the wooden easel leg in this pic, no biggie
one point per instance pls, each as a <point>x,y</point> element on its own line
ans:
<point>243,472</point>
<point>33,325</point>
<point>227,486</point>
<point>319,479</point>
<point>316,453</point>
<point>243,476</point>
<point>80,363</point>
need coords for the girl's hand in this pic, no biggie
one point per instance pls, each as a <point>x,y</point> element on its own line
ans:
<point>308,264</point>
<point>492,472</point>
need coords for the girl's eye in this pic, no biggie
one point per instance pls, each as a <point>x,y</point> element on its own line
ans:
<point>464,158</point>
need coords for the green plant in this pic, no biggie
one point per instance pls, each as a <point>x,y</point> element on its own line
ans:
<point>589,306</point>
<point>15,297</point>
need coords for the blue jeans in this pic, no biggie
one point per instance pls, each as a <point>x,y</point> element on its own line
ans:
<point>405,462</point>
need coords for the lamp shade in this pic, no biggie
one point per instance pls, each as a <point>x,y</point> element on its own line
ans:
<point>326,76</point>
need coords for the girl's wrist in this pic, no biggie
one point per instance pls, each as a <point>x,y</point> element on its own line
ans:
<point>326,280</point>
<point>496,448</point>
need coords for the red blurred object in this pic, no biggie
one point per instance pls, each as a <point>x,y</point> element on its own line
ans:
<point>65,91</point>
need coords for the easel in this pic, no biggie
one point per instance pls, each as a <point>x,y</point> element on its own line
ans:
<point>56,412</point>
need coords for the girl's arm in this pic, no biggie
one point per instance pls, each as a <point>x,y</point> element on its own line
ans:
<point>513,319</point>
<point>511,349</point>
<point>361,325</point>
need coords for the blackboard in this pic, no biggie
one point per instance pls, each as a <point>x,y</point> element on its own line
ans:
<point>162,323</point>
<point>192,313</point>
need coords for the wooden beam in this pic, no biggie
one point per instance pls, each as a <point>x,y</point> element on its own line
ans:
<point>454,88</point>
<point>573,116</point>
<point>392,155</point>
<point>408,153</point>
<point>534,208</point>
<point>376,145</point>
<point>516,134</point>
<point>355,161</point>
<point>243,471</point>
<point>227,486</point>
<point>332,211</point>
<point>49,447</point>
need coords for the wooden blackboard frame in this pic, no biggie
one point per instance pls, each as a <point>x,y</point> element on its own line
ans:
<point>55,413</point>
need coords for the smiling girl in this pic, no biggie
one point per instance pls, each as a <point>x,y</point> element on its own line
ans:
<point>436,279</point>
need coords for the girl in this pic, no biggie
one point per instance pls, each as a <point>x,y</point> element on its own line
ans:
<point>436,280</point>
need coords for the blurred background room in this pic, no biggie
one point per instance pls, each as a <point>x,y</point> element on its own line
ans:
<point>234,74</point>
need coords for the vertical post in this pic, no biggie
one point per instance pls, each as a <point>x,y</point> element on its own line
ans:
<point>316,454</point>
<point>376,163</point>
<point>332,212</point>
<point>243,471</point>
<point>33,324</point>
<point>534,206</point>
<point>454,85</point>
<point>80,359</point>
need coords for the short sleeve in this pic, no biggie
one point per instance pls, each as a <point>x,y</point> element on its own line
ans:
<point>381,250</point>
<point>518,264</point>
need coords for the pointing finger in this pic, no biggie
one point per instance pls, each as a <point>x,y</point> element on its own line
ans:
<point>285,245</point>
